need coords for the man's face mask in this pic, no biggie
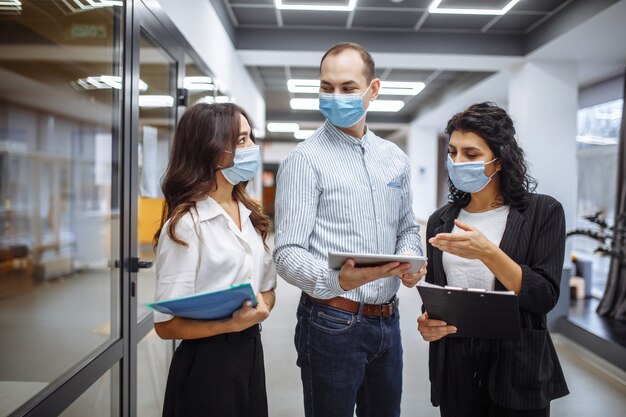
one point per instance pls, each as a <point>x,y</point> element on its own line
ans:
<point>343,110</point>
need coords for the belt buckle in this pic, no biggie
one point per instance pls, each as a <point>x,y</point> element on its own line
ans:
<point>392,307</point>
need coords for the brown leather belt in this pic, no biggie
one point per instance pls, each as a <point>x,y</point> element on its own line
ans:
<point>369,310</point>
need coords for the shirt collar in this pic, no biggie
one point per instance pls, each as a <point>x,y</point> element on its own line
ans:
<point>339,134</point>
<point>208,209</point>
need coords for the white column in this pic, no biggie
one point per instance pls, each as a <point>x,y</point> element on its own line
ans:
<point>422,152</point>
<point>543,100</point>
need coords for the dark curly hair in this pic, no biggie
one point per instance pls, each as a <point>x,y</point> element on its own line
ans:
<point>495,127</point>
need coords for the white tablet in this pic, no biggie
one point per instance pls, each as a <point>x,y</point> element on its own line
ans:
<point>337,259</point>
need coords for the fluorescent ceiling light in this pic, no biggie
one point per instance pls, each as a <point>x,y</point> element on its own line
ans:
<point>104,82</point>
<point>377,105</point>
<point>303,134</point>
<point>218,99</point>
<point>76,6</point>
<point>156,101</point>
<point>392,88</point>
<point>303,86</point>
<point>11,5</point>
<point>283,127</point>
<point>350,5</point>
<point>198,84</point>
<point>400,88</point>
<point>434,8</point>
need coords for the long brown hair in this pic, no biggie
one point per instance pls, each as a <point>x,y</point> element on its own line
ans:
<point>203,134</point>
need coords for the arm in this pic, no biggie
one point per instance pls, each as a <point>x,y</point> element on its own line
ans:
<point>408,235</point>
<point>472,244</point>
<point>297,196</point>
<point>542,276</point>
<point>246,316</point>
<point>176,273</point>
<point>408,239</point>
<point>536,284</point>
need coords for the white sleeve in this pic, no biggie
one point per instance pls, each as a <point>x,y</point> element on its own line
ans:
<point>268,281</point>
<point>176,265</point>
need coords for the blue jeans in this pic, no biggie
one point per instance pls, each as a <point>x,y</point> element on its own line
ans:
<point>347,359</point>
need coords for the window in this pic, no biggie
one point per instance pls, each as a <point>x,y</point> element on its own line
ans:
<point>597,140</point>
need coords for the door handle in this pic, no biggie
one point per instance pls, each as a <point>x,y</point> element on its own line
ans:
<point>144,264</point>
<point>134,265</point>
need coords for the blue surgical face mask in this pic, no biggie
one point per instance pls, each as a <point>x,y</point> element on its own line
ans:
<point>245,165</point>
<point>469,177</point>
<point>343,110</point>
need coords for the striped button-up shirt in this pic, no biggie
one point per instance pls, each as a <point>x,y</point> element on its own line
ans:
<point>341,194</point>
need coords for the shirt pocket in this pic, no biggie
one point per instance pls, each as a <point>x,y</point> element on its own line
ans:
<point>393,196</point>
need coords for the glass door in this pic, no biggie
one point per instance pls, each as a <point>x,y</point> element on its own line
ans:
<point>60,113</point>
<point>160,73</point>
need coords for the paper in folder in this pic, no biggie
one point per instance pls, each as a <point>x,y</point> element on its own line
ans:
<point>475,313</point>
<point>207,306</point>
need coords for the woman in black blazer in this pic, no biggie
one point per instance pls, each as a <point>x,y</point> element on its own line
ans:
<point>495,233</point>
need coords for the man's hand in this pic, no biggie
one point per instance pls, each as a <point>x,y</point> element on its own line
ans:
<point>410,280</point>
<point>351,277</point>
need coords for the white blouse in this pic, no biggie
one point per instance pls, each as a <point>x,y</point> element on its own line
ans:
<point>219,255</point>
<point>472,273</point>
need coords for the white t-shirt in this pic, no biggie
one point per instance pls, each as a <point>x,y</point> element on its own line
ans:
<point>218,255</point>
<point>472,273</point>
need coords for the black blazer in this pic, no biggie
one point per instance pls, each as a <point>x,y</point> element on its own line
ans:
<point>525,374</point>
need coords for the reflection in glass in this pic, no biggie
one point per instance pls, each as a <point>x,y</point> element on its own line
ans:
<point>597,142</point>
<point>59,205</point>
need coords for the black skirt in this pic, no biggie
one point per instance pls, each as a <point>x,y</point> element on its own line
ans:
<point>221,376</point>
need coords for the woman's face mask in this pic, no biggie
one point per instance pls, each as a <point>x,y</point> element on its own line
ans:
<point>245,165</point>
<point>469,177</point>
<point>343,110</point>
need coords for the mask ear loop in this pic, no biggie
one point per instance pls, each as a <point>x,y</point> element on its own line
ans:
<point>495,172</point>
<point>221,167</point>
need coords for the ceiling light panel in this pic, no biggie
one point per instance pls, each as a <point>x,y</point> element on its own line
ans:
<point>156,101</point>
<point>340,6</point>
<point>394,88</point>
<point>283,127</point>
<point>434,8</point>
<point>198,83</point>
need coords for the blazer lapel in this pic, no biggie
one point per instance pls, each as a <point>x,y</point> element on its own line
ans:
<point>510,239</point>
<point>446,224</point>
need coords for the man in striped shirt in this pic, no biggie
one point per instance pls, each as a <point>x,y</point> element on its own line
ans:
<point>346,190</point>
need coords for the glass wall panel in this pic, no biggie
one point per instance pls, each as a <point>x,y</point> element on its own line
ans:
<point>153,362</point>
<point>100,400</point>
<point>157,120</point>
<point>60,81</point>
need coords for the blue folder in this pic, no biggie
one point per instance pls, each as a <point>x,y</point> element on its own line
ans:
<point>207,306</point>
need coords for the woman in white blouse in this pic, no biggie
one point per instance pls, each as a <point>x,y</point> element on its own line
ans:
<point>213,236</point>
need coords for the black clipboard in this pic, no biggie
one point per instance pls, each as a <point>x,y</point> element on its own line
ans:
<point>475,313</point>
